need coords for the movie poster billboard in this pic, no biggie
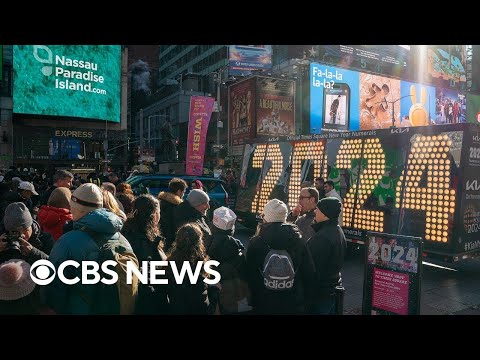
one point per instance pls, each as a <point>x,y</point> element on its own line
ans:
<point>392,283</point>
<point>241,114</point>
<point>200,112</point>
<point>242,59</point>
<point>275,107</point>
<point>446,66</point>
<point>452,107</point>
<point>417,105</point>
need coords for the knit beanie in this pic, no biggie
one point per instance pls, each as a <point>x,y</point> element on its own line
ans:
<point>15,280</point>
<point>17,215</point>
<point>87,197</point>
<point>60,198</point>
<point>275,211</point>
<point>197,197</point>
<point>330,207</point>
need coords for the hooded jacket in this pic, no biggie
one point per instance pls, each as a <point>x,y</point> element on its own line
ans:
<point>52,219</point>
<point>168,203</point>
<point>79,246</point>
<point>281,236</point>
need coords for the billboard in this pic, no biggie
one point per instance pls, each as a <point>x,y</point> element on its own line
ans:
<point>473,108</point>
<point>417,105</point>
<point>67,80</point>
<point>275,106</point>
<point>241,113</point>
<point>382,59</point>
<point>446,66</point>
<point>242,59</point>
<point>452,107</point>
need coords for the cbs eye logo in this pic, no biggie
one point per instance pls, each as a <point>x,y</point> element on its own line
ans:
<point>42,272</point>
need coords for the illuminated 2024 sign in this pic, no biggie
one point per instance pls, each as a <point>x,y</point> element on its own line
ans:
<point>428,159</point>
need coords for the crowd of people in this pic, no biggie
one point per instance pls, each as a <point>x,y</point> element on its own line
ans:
<point>292,265</point>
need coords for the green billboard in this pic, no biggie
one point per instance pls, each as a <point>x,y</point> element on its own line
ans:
<point>67,80</point>
<point>473,108</point>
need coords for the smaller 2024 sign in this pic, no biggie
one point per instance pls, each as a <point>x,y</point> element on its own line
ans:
<point>392,283</point>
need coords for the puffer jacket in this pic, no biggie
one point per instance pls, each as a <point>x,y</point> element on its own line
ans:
<point>79,246</point>
<point>52,219</point>
<point>168,203</point>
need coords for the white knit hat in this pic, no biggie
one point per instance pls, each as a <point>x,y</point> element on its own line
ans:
<point>275,211</point>
<point>15,280</point>
<point>87,197</point>
<point>224,218</point>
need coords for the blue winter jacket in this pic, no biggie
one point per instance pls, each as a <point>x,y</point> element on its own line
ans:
<point>77,245</point>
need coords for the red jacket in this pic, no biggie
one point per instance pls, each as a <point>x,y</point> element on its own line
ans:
<point>52,219</point>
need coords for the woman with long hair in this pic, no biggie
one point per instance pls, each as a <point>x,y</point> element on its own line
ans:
<point>143,233</point>
<point>187,298</point>
<point>110,203</point>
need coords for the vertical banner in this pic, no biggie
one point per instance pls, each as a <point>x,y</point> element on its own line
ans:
<point>200,112</point>
<point>392,283</point>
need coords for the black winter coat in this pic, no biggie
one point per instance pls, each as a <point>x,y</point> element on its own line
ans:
<point>185,213</point>
<point>168,203</point>
<point>327,247</point>
<point>281,236</point>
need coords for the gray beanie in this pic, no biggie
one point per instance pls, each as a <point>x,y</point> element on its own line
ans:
<point>275,211</point>
<point>16,216</point>
<point>197,197</point>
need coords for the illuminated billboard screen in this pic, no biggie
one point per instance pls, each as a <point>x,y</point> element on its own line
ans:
<point>446,66</point>
<point>67,80</point>
<point>242,59</point>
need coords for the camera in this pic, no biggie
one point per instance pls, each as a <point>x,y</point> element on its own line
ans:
<point>13,240</point>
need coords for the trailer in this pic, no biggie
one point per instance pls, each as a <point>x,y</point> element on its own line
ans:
<point>415,181</point>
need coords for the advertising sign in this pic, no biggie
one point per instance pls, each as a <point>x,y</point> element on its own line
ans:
<point>445,66</point>
<point>275,107</point>
<point>392,282</point>
<point>417,105</point>
<point>241,113</point>
<point>67,80</point>
<point>200,112</point>
<point>473,108</point>
<point>382,59</point>
<point>242,59</point>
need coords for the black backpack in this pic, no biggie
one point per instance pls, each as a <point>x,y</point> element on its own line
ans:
<point>278,271</point>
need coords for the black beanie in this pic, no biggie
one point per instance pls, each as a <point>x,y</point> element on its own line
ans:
<point>330,207</point>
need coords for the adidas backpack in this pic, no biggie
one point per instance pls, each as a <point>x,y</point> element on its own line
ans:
<point>278,271</point>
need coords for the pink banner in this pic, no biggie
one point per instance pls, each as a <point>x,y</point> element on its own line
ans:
<point>390,291</point>
<point>200,112</point>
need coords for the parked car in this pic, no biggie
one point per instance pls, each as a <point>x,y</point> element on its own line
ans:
<point>154,184</point>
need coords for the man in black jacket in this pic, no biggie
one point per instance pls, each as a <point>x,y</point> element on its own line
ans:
<point>327,247</point>
<point>194,210</point>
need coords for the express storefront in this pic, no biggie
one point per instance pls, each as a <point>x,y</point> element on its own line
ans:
<point>52,148</point>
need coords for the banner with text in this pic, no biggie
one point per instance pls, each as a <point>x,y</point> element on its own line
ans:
<point>392,281</point>
<point>200,112</point>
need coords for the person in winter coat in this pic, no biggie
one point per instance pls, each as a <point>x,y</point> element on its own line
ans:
<point>276,234</point>
<point>143,234</point>
<point>230,253</point>
<point>88,216</point>
<point>194,210</point>
<point>327,247</point>
<point>30,244</point>
<point>169,201</point>
<point>188,298</point>
<point>53,216</point>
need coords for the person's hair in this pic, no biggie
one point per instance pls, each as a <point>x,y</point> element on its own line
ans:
<point>60,198</point>
<point>188,245</point>
<point>313,192</point>
<point>62,175</point>
<point>329,183</point>
<point>127,201</point>
<point>109,187</point>
<point>177,184</point>
<point>110,203</point>
<point>144,208</point>
<point>320,179</point>
<point>112,174</point>
<point>124,188</point>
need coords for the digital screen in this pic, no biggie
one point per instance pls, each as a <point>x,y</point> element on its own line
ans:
<point>242,59</point>
<point>67,80</point>
<point>446,66</point>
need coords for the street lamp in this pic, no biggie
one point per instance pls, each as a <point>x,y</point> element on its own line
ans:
<point>218,80</point>
<point>393,108</point>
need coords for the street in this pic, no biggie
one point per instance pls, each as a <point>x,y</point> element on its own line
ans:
<point>447,289</point>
